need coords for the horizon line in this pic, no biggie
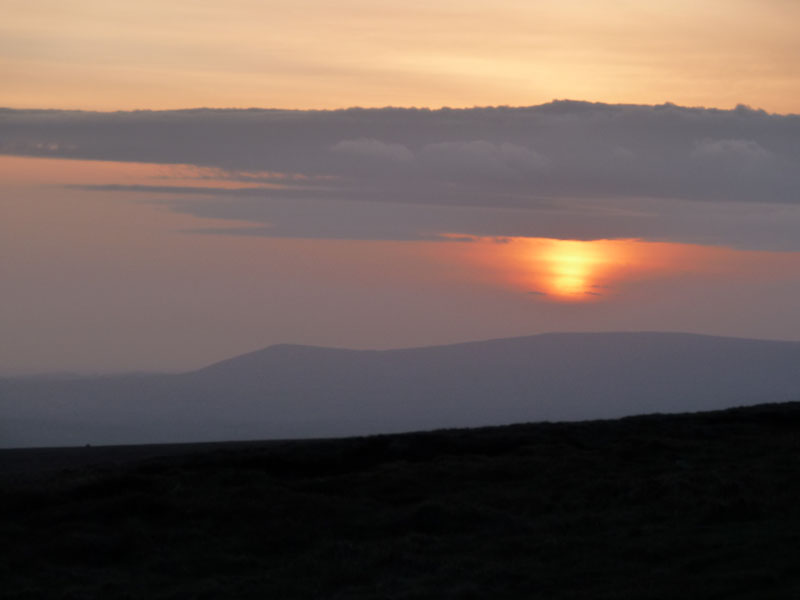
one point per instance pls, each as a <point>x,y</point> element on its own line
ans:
<point>79,374</point>
<point>443,108</point>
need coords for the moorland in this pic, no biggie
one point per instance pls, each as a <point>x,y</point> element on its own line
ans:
<point>703,505</point>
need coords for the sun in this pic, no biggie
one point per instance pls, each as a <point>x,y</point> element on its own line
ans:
<point>566,271</point>
<point>572,270</point>
<point>570,267</point>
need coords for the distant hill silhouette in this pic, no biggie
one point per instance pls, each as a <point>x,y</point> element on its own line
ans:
<point>287,391</point>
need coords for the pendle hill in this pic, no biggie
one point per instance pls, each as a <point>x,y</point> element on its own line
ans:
<point>289,391</point>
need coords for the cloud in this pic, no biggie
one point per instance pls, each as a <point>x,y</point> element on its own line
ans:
<point>373,150</point>
<point>481,160</point>
<point>737,151</point>
<point>563,169</point>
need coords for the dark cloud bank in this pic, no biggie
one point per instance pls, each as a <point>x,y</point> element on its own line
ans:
<point>563,169</point>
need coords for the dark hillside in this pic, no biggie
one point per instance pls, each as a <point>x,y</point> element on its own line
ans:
<point>682,506</point>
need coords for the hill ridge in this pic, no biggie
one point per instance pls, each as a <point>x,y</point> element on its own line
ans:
<point>288,390</point>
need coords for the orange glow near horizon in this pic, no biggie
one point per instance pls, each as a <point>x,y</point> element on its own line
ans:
<point>557,271</point>
<point>565,270</point>
<point>572,267</point>
<point>591,271</point>
<point>84,269</point>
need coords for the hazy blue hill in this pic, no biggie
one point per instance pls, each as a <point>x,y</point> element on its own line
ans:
<point>303,391</point>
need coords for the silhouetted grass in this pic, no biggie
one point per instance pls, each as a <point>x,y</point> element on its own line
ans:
<point>685,506</point>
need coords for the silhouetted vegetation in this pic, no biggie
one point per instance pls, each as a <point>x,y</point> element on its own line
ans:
<point>680,506</point>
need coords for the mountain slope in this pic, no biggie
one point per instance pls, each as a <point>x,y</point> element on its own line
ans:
<point>301,391</point>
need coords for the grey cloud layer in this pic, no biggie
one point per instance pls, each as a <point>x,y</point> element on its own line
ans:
<point>586,170</point>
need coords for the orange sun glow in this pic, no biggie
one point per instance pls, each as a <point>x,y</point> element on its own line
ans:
<point>567,270</point>
<point>573,270</point>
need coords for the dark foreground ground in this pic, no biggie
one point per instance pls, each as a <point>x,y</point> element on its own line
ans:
<point>686,506</point>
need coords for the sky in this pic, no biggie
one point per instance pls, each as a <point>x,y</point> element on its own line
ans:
<point>181,182</point>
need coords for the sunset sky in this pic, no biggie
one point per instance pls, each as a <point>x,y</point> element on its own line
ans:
<point>513,168</point>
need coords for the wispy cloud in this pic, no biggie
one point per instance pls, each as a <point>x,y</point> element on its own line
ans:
<point>564,169</point>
